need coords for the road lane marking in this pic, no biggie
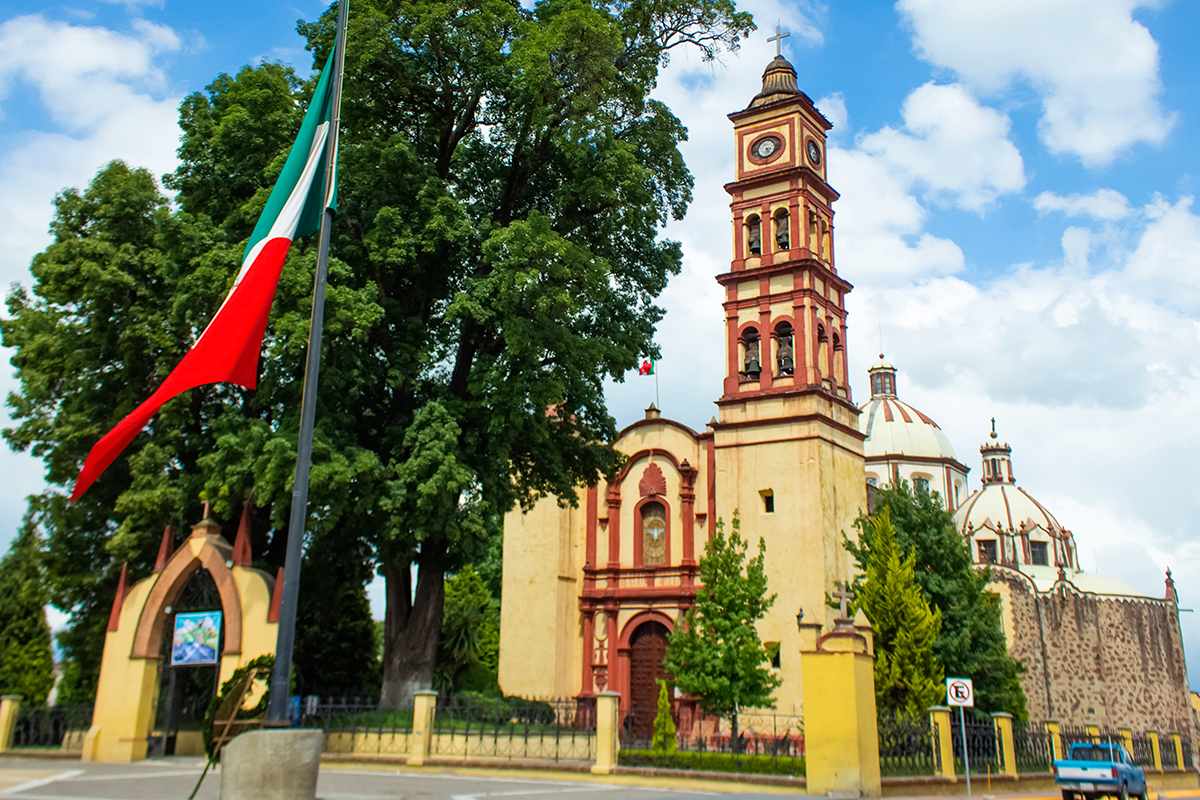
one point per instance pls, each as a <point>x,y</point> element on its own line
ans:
<point>40,782</point>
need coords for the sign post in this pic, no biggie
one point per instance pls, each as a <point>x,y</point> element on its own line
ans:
<point>961,692</point>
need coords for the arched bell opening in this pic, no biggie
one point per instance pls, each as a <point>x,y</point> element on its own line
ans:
<point>783,234</point>
<point>751,354</point>
<point>785,349</point>
<point>754,235</point>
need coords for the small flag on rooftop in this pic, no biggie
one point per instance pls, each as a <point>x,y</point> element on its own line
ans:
<point>647,367</point>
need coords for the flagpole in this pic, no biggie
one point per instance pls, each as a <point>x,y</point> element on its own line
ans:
<point>277,710</point>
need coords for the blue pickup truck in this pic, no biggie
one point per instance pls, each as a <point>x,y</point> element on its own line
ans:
<point>1099,770</point>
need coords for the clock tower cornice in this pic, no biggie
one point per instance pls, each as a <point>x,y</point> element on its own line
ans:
<point>805,177</point>
<point>818,268</point>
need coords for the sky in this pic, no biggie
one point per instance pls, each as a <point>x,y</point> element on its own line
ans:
<point>1017,184</point>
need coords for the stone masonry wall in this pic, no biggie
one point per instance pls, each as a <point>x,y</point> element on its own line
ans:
<point>1093,660</point>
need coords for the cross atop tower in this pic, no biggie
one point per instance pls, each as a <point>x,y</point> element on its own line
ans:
<point>844,597</point>
<point>778,40</point>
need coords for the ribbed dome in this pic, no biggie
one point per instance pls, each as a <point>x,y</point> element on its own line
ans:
<point>779,82</point>
<point>895,428</point>
<point>1007,507</point>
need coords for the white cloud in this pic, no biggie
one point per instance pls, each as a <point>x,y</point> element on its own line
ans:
<point>1103,204</point>
<point>1095,67</point>
<point>834,108</point>
<point>951,145</point>
<point>105,93</point>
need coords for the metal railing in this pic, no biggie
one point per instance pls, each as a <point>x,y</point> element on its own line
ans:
<point>1142,751</point>
<point>1073,734</point>
<point>907,745</point>
<point>515,728</point>
<point>60,727</point>
<point>1187,752</point>
<point>356,725</point>
<point>1166,746</point>
<point>983,746</point>
<point>1032,747</point>
<point>767,742</point>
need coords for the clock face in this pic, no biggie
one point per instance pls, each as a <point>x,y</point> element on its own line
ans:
<point>814,152</point>
<point>767,147</point>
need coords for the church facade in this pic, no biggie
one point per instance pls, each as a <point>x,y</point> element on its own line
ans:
<point>590,592</point>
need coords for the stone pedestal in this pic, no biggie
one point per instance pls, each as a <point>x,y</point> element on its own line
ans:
<point>424,706</point>
<point>272,765</point>
<point>10,705</point>
<point>841,732</point>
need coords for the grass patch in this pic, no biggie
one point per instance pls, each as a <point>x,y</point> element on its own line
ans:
<point>792,766</point>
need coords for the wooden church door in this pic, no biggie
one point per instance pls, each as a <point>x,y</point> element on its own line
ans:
<point>648,647</point>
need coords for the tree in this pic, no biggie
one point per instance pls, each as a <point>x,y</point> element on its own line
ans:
<point>715,654</point>
<point>908,678</point>
<point>467,653</point>
<point>26,661</point>
<point>503,177</point>
<point>971,643</point>
<point>663,741</point>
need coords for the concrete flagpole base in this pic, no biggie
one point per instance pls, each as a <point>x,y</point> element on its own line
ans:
<point>279,764</point>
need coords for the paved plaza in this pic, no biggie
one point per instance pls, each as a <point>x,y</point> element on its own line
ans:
<point>174,779</point>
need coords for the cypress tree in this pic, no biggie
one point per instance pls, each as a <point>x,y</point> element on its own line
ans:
<point>26,662</point>
<point>663,740</point>
<point>908,677</point>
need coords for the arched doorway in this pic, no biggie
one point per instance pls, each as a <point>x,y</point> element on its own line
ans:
<point>647,648</point>
<point>184,690</point>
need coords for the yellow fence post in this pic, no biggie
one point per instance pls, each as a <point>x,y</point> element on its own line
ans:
<point>1155,749</point>
<point>1094,732</point>
<point>607,743</point>
<point>424,705</point>
<point>1127,738</point>
<point>1054,728</point>
<point>1177,740</point>
<point>1005,742</point>
<point>10,704</point>
<point>943,741</point>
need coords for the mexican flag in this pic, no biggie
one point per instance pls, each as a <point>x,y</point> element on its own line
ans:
<point>229,348</point>
<point>647,367</point>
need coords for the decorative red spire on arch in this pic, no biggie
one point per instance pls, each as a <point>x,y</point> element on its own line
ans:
<point>114,619</point>
<point>165,549</point>
<point>241,544</point>
<point>276,598</point>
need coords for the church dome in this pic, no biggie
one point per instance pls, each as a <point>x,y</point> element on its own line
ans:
<point>893,427</point>
<point>1008,526</point>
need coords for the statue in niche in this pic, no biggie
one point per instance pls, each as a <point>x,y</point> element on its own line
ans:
<point>755,238</point>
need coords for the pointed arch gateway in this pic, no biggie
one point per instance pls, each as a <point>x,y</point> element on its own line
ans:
<point>130,670</point>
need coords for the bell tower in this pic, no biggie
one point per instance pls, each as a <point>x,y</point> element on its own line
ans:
<point>784,301</point>
<point>787,451</point>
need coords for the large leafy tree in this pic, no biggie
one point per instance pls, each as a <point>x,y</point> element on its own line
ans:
<point>26,662</point>
<point>715,653</point>
<point>908,678</point>
<point>504,174</point>
<point>971,643</point>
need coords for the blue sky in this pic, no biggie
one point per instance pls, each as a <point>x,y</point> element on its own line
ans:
<point>1016,215</point>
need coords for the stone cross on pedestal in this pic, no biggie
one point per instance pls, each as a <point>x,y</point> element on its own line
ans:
<point>844,597</point>
<point>778,40</point>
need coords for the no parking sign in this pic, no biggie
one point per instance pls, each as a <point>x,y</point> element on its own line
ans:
<point>960,692</point>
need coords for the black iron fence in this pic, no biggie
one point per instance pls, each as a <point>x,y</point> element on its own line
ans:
<point>1073,734</point>
<point>1187,752</point>
<point>1166,746</point>
<point>907,745</point>
<point>514,727</point>
<point>53,727</point>
<point>983,747</point>
<point>357,725</point>
<point>1142,751</point>
<point>767,742</point>
<point>1033,747</point>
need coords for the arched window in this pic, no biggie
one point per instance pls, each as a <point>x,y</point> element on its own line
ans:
<point>921,485</point>
<point>751,365</point>
<point>783,236</point>
<point>822,352</point>
<point>654,534</point>
<point>785,352</point>
<point>754,234</point>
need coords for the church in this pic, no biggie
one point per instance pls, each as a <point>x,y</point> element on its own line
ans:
<point>592,589</point>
